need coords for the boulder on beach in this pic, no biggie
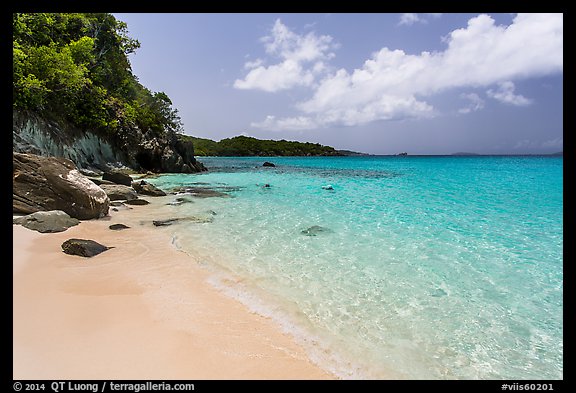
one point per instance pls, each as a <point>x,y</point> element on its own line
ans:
<point>47,222</point>
<point>118,192</point>
<point>83,247</point>
<point>99,182</point>
<point>269,164</point>
<point>118,178</point>
<point>145,188</point>
<point>49,183</point>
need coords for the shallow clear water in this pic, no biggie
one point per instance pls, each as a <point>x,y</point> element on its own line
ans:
<point>424,267</point>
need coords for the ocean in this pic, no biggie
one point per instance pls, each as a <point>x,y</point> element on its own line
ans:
<point>415,267</point>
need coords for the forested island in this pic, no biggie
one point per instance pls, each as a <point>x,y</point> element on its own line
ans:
<point>241,146</point>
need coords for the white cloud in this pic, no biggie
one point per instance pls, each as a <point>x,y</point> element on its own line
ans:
<point>393,84</point>
<point>475,103</point>
<point>409,19</point>
<point>557,142</point>
<point>505,94</point>
<point>299,123</point>
<point>301,59</point>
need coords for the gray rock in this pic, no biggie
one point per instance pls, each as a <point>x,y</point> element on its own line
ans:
<point>315,230</point>
<point>146,188</point>
<point>137,202</point>
<point>117,227</point>
<point>269,164</point>
<point>83,247</point>
<point>47,222</point>
<point>49,183</point>
<point>118,178</point>
<point>117,192</point>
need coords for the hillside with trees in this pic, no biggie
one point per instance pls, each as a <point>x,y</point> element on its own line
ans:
<point>72,70</point>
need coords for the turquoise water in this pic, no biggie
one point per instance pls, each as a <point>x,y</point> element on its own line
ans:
<point>424,267</point>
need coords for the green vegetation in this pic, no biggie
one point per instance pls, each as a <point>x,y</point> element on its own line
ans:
<point>246,146</point>
<point>74,67</point>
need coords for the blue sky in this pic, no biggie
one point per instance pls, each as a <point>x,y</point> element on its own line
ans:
<point>375,83</point>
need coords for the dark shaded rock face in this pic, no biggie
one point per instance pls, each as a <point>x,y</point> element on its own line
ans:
<point>83,248</point>
<point>118,192</point>
<point>47,222</point>
<point>118,178</point>
<point>137,202</point>
<point>118,227</point>
<point>96,151</point>
<point>146,188</point>
<point>48,183</point>
<point>170,155</point>
<point>268,164</point>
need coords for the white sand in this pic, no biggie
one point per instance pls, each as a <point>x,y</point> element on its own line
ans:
<point>142,310</point>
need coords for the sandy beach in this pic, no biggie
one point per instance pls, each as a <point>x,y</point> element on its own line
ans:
<point>141,310</point>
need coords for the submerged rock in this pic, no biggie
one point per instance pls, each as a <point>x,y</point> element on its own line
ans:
<point>83,247</point>
<point>269,164</point>
<point>315,230</point>
<point>180,201</point>
<point>47,222</point>
<point>118,227</point>
<point>117,192</point>
<point>49,183</point>
<point>118,178</point>
<point>137,202</point>
<point>328,187</point>
<point>193,219</point>
<point>146,188</point>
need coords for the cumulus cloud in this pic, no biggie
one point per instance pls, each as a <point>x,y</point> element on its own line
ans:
<point>301,58</point>
<point>475,103</point>
<point>409,19</point>
<point>505,94</point>
<point>393,84</point>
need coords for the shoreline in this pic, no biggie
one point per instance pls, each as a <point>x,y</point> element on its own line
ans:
<point>141,310</point>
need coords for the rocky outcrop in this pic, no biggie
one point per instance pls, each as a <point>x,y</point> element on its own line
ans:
<point>118,192</point>
<point>47,222</point>
<point>170,155</point>
<point>95,151</point>
<point>83,247</point>
<point>117,178</point>
<point>48,183</point>
<point>145,188</point>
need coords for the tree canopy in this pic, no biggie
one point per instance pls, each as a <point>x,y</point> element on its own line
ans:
<point>75,67</point>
